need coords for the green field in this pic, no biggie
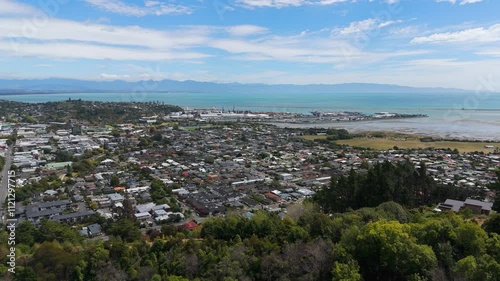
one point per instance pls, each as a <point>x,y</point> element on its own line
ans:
<point>313,137</point>
<point>387,143</point>
<point>410,142</point>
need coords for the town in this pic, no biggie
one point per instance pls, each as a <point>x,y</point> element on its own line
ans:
<point>166,170</point>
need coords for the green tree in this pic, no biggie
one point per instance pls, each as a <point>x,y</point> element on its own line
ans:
<point>25,274</point>
<point>53,262</point>
<point>25,233</point>
<point>51,230</point>
<point>483,268</point>
<point>492,224</point>
<point>496,203</point>
<point>346,271</point>
<point>126,229</point>
<point>114,181</point>
<point>470,239</point>
<point>385,251</point>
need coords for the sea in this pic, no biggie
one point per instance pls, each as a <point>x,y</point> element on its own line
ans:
<point>473,116</point>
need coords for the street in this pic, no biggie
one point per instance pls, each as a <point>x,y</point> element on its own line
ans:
<point>5,179</point>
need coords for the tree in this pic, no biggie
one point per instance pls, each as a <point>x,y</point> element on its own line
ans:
<point>157,137</point>
<point>25,233</point>
<point>496,203</point>
<point>346,271</point>
<point>53,262</point>
<point>126,229</point>
<point>470,239</point>
<point>69,170</point>
<point>115,132</point>
<point>51,230</point>
<point>63,156</point>
<point>114,181</point>
<point>384,251</point>
<point>484,268</point>
<point>492,224</point>
<point>25,274</point>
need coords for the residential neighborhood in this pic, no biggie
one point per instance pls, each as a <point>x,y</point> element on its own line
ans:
<point>188,170</point>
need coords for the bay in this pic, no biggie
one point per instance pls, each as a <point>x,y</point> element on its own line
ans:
<point>464,116</point>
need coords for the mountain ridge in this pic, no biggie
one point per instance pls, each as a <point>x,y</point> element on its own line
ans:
<point>56,85</point>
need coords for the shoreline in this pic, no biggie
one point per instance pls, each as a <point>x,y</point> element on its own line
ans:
<point>367,119</point>
<point>420,132</point>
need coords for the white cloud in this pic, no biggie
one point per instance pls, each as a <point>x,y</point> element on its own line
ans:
<point>407,31</point>
<point>462,2</point>
<point>330,2</point>
<point>156,8</point>
<point>364,26</point>
<point>8,7</point>
<point>245,30</point>
<point>287,3</point>
<point>472,35</point>
<point>71,41</point>
<point>490,52</point>
<point>66,39</point>
<point>94,52</point>
<point>295,3</point>
<point>113,77</point>
<point>359,26</point>
<point>57,29</point>
<point>271,3</point>
<point>304,49</point>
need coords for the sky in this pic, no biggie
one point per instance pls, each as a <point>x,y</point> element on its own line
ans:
<point>420,43</point>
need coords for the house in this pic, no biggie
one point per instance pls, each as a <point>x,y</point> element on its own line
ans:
<point>159,213</point>
<point>477,207</point>
<point>142,216</point>
<point>115,197</point>
<point>73,217</point>
<point>34,214</point>
<point>58,165</point>
<point>94,230</point>
<point>189,225</point>
<point>450,204</point>
<point>144,208</point>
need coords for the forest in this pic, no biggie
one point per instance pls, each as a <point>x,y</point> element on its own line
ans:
<point>387,242</point>
<point>400,182</point>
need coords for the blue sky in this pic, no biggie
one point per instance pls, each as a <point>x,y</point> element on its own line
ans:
<point>425,43</point>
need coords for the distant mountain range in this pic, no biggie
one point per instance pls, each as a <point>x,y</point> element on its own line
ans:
<point>72,85</point>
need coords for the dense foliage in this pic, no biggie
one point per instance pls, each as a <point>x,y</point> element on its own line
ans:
<point>88,111</point>
<point>399,182</point>
<point>383,243</point>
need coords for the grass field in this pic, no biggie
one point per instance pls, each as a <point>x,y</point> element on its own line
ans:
<point>410,142</point>
<point>385,143</point>
<point>313,137</point>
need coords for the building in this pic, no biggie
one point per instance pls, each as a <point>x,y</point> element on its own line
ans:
<point>73,217</point>
<point>54,210</point>
<point>477,207</point>
<point>92,230</point>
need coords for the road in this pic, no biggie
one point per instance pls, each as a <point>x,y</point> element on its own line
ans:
<point>5,177</point>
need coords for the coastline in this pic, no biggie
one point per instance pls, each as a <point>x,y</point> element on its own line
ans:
<point>432,128</point>
<point>448,117</point>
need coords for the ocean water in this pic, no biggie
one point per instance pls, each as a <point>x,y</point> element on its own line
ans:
<point>468,116</point>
